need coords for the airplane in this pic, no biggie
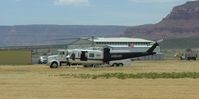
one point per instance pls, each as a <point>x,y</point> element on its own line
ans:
<point>95,56</point>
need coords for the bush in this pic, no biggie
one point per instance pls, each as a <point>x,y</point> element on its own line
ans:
<point>173,75</point>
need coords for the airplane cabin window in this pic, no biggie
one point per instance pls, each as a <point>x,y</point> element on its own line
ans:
<point>91,55</point>
<point>98,55</point>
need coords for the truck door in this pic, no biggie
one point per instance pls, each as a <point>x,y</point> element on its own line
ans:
<point>62,56</point>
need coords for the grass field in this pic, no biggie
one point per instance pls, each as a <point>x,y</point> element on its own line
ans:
<point>16,57</point>
<point>41,82</point>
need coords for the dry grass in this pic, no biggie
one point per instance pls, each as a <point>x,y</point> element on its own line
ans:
<point>39,82</point>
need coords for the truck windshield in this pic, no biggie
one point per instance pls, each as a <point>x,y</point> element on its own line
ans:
<point>61,53</point>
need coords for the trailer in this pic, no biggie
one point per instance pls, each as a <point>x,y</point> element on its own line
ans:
<point>96,56</point>
<point>87,58</point>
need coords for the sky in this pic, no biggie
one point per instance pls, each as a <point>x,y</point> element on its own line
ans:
<point>85,12</point>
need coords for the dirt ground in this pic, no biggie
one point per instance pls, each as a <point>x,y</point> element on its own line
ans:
<point>41,82</point>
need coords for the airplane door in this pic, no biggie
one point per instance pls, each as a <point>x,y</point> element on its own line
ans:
<point>73,56</point>
<point>84,56</point>
<point>107,55</point>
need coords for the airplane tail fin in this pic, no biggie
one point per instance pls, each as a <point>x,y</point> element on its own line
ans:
<point>150,50</point>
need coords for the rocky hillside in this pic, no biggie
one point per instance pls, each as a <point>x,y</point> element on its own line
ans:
<point>182,22</point>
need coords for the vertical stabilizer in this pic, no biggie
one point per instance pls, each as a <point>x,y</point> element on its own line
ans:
<point>150,50</point>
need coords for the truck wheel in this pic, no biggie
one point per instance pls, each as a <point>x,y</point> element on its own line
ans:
<point>54,65</point>
<point>118,64</point>
<point>114,64</point>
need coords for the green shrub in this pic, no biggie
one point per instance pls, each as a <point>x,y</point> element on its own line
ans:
<point>173,75</point>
